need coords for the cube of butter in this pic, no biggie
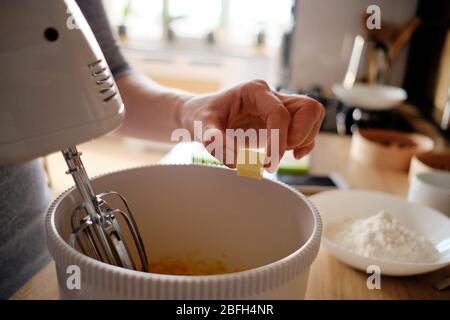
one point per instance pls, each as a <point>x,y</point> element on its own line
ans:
<point>250,163</point>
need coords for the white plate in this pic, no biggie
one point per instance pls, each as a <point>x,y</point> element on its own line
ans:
<point>337,205</point>
<point>370,97</point>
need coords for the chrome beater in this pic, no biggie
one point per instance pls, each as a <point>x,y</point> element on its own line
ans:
<point>95,228</point>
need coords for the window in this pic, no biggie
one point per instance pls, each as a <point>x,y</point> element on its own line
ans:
<point>231,22</point>
<point>250,17</point>
<point>194,18</point>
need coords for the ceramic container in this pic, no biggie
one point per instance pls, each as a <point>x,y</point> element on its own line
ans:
<point>268,230</point>
<point>429,161</point>
<point>388,149</point>
<point>370,97</point>
<point>338,205</point>
<point>431,189</point>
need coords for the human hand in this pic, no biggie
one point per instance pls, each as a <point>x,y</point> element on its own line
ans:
<point>253,105</point>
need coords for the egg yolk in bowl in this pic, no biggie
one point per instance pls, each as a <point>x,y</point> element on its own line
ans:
<point>189,267</point>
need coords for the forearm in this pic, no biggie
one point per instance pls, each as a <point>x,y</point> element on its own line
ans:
<point>152,111</point>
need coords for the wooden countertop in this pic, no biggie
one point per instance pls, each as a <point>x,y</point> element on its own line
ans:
<point>329,278</point>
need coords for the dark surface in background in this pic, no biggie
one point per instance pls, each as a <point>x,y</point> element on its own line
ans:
<point>350,119</point>
<point>342,119</point>
<point>425,52</point>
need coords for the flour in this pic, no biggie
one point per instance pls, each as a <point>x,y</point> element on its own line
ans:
<point>383,237</point>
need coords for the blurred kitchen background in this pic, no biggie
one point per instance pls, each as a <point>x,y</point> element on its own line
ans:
<point>203,45</point>
<point>297,46</point>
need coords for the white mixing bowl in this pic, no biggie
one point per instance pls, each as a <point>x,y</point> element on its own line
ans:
<point>263,227</point>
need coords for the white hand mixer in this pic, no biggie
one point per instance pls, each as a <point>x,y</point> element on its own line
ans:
<point>56,91</point>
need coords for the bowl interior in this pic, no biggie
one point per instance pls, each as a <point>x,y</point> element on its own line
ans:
<point>336,206</point>
<point>435,160</point>
<point>389,138</point>
<point>206,212</point>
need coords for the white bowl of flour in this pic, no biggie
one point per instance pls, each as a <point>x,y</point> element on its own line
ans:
<point>365,228</point>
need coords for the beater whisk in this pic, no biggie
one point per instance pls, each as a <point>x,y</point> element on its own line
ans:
<point>95,228</point>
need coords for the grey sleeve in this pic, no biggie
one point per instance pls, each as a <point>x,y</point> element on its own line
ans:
<point>95,15</point>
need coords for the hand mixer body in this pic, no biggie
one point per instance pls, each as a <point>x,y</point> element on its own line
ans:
<point>56,91</point>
